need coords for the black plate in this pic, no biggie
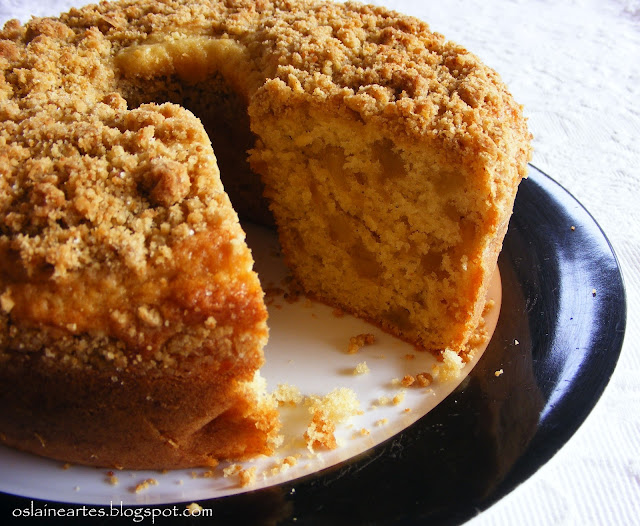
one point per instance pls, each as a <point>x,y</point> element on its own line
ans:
<point>558,340</point>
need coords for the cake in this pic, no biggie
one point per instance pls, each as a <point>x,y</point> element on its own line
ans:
<point>132,325</point>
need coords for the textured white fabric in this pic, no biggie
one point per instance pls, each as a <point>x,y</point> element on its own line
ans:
<point>575,66</point>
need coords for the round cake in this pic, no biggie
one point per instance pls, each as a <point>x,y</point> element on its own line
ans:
<point>132,324</point>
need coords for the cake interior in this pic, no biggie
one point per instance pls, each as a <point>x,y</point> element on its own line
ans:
<point>367,229</point>
<point>363,226</point>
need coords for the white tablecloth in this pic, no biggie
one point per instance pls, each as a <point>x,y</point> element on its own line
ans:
<point>575,66</point>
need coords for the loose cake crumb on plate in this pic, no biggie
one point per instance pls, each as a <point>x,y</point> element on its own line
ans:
<point>328,411</point>
<point>145,484</point>
<point>359,341</point>
<point>283,465</point>
<point>450,367</point>
<point>247,477</point>
<point>233,469</point>
<point>287,394</point>
<point>424,379</point>
<point>382,400</point>
<point>399,398</point>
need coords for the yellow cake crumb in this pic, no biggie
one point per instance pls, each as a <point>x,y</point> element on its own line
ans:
<point>382,422</point>
<point>499,372</point>
<point>247,477</point>
<point>361,368</point>
<point>399,398</point>
<point>383,400</point>
<point>451,366</point>
<point>487,307</point>
<point>283,465</point>
<point>145,484</point>
<point>320,433</point>
<point>424,379</point>
<point>326,412</point>
<point>290,461</point>
<point>407,380</point>
<point>233,469</point>
<point>359,341</point>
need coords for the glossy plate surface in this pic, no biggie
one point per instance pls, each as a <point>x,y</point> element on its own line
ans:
<point>557,342</point>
